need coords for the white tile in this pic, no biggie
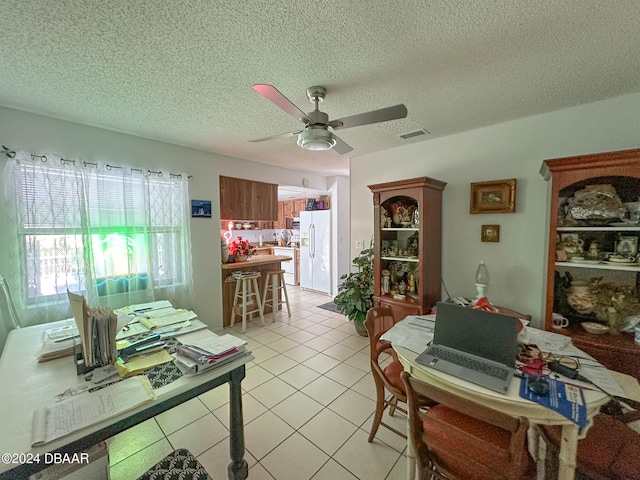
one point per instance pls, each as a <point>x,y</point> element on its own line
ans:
<point>301,336</point>
<point>295,459</point>
<point>356,342</point>
<point>399,470</point>
<point>251,409</point>
<point>216,459</point>
<point>317,328</point>
<point>140,462</point>
<point>263,353</point>
<point>265,433</point>
<point>360,360</point>
<point>133,440</point>
<point>345,374</point>
<point>321,363</point>
<point>279,364</point>
<point>332,470</point>
<point>328,430</point>
<point>266,337</point>
<point>299,376</point>
<point>301,353</point>
<point>324,390</point>
<point>335,335</point>
<point>354,407</point>
<point>216,397</point>
<point>302,323</point>
<point>258,472</point>
<point>181,415</point>
<point>255,376</point>
<point>339,352</point>
<point>319,344</point>
<point>366,386</point>
<point>297,409</point>
<point>285,329</point>
<point>370,461</point>
<point>397,421</point>
<point>200,435</point>
<point>272,392</point>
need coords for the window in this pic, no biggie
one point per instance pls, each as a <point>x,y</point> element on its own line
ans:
<point>115,234</point>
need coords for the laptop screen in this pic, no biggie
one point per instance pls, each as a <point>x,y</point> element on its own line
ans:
<point>485,334</point>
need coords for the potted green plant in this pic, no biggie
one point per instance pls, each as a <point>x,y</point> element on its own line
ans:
<point>355,293</point>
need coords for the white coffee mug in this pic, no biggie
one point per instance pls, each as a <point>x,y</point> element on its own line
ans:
<point>558,321</point>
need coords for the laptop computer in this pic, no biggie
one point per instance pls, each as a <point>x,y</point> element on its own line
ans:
<point>474,345</point>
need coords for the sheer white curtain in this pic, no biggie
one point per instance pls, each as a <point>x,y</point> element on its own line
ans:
<point>116,234</point>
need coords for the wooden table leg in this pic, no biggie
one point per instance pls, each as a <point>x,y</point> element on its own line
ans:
<point>238,468</point>
<point>568,451</point>
<point>411,456</point>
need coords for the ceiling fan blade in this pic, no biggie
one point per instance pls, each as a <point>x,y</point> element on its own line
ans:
<point>272,94</point>
<point>374,116</point>
<point>279,135</point>
<point>341,146</point>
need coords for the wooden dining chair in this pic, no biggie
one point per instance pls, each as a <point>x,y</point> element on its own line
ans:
<point>513,313</point>
<point>387,378</point>
<point>456,438</point>
<point>611,449</point>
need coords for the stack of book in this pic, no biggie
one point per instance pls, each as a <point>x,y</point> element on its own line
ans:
<point>210,353</point>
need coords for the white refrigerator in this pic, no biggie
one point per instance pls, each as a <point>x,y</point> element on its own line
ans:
<point>315,250</point>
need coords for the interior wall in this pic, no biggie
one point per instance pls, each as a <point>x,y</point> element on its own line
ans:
<point>39,134</point>
<point>516,149</point>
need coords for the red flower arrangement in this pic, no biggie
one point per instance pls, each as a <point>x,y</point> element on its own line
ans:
<point>241,247</point>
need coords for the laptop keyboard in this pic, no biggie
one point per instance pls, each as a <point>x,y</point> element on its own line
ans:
<point>470,363</point>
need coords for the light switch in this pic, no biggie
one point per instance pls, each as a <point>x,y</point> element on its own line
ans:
<point>359,244</point>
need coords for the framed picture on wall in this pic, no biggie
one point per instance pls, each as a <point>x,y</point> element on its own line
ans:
<point>498,196</point>
<point>490,233</point>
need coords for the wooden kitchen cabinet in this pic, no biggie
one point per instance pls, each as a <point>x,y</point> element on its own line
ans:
<point>288,207</point>
<point>300,206</point>
<point>242,199</point>
<point>584,223</point>
<point>407,246</point>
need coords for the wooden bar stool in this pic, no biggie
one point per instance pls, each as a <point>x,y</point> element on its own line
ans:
<point>246,296</point>
<point>276,277</point>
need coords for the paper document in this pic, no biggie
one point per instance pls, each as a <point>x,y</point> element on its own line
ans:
<point>170,319</point>
<point>143,307</point>
<point>216,347</point>
<point>414,332</point>
<point>88,409</point>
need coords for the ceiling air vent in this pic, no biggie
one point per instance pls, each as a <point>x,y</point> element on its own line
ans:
<point>417,133</point>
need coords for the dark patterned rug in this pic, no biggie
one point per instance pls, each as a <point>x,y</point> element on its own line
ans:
<point>332,307</point>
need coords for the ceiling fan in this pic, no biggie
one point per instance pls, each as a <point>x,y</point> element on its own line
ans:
<point>315,135</point>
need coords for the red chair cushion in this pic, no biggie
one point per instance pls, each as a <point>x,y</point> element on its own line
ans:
<point>611,448</point>
<point>490,433</point>
<point>392,372</point>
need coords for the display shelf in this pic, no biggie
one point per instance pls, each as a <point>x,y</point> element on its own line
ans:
<point>407,244</point>
<point>621,170</point>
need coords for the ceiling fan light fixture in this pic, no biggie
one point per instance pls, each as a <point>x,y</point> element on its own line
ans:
<point>316,139</point>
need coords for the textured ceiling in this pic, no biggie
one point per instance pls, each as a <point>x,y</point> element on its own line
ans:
<point>181,71</point>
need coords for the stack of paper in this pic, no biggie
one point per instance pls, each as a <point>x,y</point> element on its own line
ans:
<point>97,328</point>
<point>210,353</point>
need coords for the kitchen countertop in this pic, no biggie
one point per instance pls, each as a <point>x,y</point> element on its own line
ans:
<point>256,260</point>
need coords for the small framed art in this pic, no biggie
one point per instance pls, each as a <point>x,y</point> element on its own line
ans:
<point>490,233</point>
<point>497,196</point>
<point>201,208</point>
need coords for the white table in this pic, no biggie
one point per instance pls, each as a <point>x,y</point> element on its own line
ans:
<point>28,386</point>
<point>511,403</point>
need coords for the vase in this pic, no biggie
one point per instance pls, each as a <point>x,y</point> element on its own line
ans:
<point>580,298</point>
<point>241,258</point>
<point>360,328</point>
<point>225,253</point>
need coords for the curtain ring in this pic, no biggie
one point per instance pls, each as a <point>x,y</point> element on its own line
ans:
<point>108,167</point>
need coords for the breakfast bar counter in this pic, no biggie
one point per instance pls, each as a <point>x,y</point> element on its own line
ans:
<point>257,263</point>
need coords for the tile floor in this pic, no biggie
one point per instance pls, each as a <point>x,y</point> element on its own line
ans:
<point>308,400</point>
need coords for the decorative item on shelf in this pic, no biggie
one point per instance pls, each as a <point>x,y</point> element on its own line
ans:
<point>482,280</point>
<point>224,250</point>
<point>632,214</point>
<point>613,303</point>
<point>580,298</point>
<point>386,281</point>
<point>594,205</point>
<point>355,293</point>
<point>627,246</point>
<point>595,328</point>
<point>402,214</point>
<point>240,248</point>
<point>593,253</point>
<point>497,196</point>
<point>571,245</point>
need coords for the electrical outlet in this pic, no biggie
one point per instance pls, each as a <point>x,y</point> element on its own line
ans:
<point>359,244</point>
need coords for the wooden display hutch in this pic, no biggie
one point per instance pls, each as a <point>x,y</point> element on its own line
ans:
<point>568,175</point>
<point>409,247</point>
